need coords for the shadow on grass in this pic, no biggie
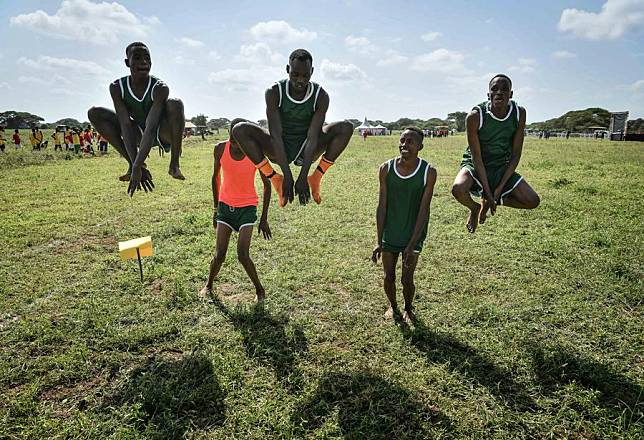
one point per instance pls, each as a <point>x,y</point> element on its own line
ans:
<point>174,396</point>
<point>460,357</point>
<point>266,339</point>
<point>368,406</point>
<point>555,367</point>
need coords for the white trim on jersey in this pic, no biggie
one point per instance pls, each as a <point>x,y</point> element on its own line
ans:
<point>121,87</point>
<point>307,95</point>
<point>510,107</point>
<point>146,89</point>
<point>152,91</point>
<point>426,172</point>
<point>279,88</point>
<point>315,102</point>
<point>420,162</point>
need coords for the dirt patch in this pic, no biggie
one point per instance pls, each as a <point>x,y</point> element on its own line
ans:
<point>59,247</point>
<point>65,398</point>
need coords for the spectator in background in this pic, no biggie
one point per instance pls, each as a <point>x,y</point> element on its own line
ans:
<point>57,141</point>
<point>40,138</point>
<point>76,141</point>
<point>69,139</point>
<point>102,144</point>
<point>16,139</point>
<point>32,140</point>
<point>2,139</point>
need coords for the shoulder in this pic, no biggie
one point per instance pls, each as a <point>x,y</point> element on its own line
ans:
<point>430,173</point>
<point>218,150</point>
<point>272,92</point>
<point>384,167</point>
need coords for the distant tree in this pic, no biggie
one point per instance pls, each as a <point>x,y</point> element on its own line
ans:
<point>635,126</point>
<point>200,120</point>
<point>576,120</point>
<point>458,118</point>
<point>355,122</point>
<point>70,122</point>
<point>13,119</point>
<point>218,123</point>
<point>263,123</point>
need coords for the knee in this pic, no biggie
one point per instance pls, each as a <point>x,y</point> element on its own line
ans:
<point>457,190</point>
<point>535,201</point>
<point>243,256</point>
<point>390,278</point>
<point>220,256</point>
<point>241,130</point>
<point>93,114</point>
<point>174,108</point>
<point>407,281</point>
<point>346,128</point>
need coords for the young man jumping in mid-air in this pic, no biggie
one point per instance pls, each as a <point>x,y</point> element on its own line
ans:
<point>495,131</point>
<point>235,203</point>
<point>143,116</point>
<point>406,190</point>
<point>295,109</point>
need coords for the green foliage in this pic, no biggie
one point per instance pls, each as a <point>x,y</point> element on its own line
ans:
<point>71,122</point>
<point>636,125</point>
<point>458,118</point>
<point>530,328</point>
<point>218,123</point>
<point>576,120</point>
<point>200,120</point>
<point>13,119</point>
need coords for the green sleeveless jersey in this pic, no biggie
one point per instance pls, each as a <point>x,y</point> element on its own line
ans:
<point>138,109</point>
<point>495,135</point>
<point>404,194</point>
<point>296,117</point>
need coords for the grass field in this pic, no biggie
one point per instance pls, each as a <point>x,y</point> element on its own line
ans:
<point>530,328</point>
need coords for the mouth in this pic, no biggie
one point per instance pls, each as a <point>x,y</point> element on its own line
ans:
<point>403,150</point>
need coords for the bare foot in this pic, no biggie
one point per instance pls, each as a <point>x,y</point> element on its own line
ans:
<point>409,317</point>
<point>176,173</point>
<point>260,295</point>
<point>389,314</point>
<point>485,206</point>
<point>205,292</point>
<point>473,218</point>
<point>125,177</point>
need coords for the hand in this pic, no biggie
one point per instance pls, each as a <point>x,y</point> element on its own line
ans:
<point>497,194</point>
<point>491,202</point>
<point>376,254</point>
<point>140,178</point>
<point>407,253</point>
<point>264,229</point>
<point>302,190</point>
<point>287,187</point>
<point>146,180</point>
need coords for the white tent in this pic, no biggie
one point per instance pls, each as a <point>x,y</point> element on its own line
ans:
<point>365,126</point>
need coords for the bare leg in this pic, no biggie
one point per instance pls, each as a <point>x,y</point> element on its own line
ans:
<point>461,192</point>
<point>389,260</point>
<point>223,237</point>
<point>106,122</point>
<point>409,288</point>
<point>243,254</point>
<point>171,130</point>
<point>522,197</point>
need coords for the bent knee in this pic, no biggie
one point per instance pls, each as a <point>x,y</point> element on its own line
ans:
<point>534,201</point>
<point>242,130</point>
<point>407,281</point>
<point>390,278</point>
<point>243,257</point>
<point>458,189</point>
<point>346,128</point>
<point>95,114</point>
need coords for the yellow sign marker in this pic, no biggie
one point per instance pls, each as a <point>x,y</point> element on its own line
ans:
<point>137,248</point>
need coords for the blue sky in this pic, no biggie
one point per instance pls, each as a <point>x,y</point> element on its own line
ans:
<point>383,60</point>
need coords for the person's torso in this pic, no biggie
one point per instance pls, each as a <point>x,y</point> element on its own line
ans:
<point>404,194</point>
<point>138,107</point>
<point>75,138</point>
<point>296,115</point>
<point>238,186</point>
<point>496,134</point>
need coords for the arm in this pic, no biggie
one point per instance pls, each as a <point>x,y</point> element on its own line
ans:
<point>515,156</point>
<point>313,134</point>
<point>124,121</point>
<point>275,130</point>
<point>423,212</point>
<point>161,93</point>
<point>215,181</point>
<point>381,211</point>
<point>472,122</point>
<point>263,227</point>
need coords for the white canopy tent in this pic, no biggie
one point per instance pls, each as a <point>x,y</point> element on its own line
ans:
<point>377,130</point>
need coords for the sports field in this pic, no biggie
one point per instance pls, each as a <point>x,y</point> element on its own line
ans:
<point>530,328</point>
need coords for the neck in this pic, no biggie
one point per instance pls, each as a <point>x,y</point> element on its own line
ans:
<point>295,94</point>
<point>139,78</point>
<point>500,112</point>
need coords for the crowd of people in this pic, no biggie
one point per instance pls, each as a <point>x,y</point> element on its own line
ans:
<point>72,139</point>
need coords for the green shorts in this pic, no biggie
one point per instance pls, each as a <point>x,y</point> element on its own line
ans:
<point>390,247</point>
<point>236,218</point>
<point>294,148</point>
<point>494,176</point>
<point>157,140</point>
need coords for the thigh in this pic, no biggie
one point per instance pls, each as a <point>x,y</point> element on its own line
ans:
<point>522,194</point>
<point>389,260</point>
<point>409,265</point>
<point>243,240</point>
<point>223,238</point>
<point>464,179</point>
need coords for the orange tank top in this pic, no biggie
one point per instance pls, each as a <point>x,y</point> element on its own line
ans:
<point>238,187</point>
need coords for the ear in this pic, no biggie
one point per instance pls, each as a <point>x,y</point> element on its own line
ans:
<point>312,69</point>
<point>127,62</point>
<point>288,69</point>
<point>511,93</point>
<point>488,96</point>
<point>420,147</point>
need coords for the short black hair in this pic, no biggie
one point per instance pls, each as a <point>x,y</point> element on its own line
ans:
<point>501,75</point>
<point>235,122</point>
<point>301,55</point>
<point>416,130</point>
<point>132,46</point>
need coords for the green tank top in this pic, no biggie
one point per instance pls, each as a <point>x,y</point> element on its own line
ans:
<point>138,109</point>
<point>296,115</point>
<point>404,194</point>
<point>495,135</point>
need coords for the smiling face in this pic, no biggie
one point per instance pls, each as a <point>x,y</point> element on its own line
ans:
<point>139,61</point>
<point>410,144</point>
<point>299,75</point>
<point>500,92</point>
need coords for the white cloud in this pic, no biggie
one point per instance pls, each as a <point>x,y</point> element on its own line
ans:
<point>638,85</point>
<point>180,59</point>
<point>47,63</point>
<point>341,72</point>
<point>524,65</point>
<point>360,45</point>
<point>563,54</point>
<point>430,36</point>
<point>615,19</point>
<point>391,58</point>
<point>190,42</point>
<point>214,55</point>
<point>49,81</point>
<point>5,85</point>
<point>259,53</point>
<point>440,60</point>
<point>82,20</point>
<point>253,78</point>
<point>280,31</point>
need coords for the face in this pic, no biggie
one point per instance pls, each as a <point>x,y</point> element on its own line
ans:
<point>500,92</point>
<point>299,74</point>
<point>139,61</point>
<point>410,144</point>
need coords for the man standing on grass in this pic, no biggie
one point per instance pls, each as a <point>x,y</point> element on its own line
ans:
<point>143,116</point>
<point>495,131</point>
<point>406,190</point>
<point>295,109</point>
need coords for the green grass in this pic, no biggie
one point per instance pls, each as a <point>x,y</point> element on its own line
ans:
<point>530,328</point>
